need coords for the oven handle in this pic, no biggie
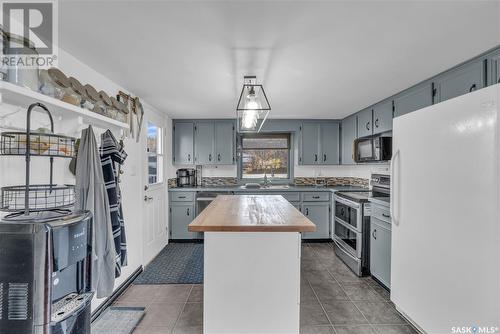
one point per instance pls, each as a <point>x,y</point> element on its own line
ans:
<point>205,199</point>
<point>347,202</point>
<point>339,243</point>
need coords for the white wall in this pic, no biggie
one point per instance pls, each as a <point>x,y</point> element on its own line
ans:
<point>12,169</point>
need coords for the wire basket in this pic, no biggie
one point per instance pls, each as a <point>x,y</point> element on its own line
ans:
<point>41,144</point>
<point>41,197</point>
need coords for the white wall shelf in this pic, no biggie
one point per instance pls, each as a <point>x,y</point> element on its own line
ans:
<point>23,97</point>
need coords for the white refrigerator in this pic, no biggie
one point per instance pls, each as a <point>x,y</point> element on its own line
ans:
<point>445,267</point>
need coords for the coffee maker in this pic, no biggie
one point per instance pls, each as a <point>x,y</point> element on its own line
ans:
<point>45,274</point>
<point>186,177</point>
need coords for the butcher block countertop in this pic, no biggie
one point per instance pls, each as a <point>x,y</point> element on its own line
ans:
<point>251,213</point>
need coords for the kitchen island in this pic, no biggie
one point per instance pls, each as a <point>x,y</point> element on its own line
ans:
<point>251,264</point>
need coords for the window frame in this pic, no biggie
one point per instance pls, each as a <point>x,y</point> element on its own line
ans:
<point>242,180</point>
<point>160,155</point>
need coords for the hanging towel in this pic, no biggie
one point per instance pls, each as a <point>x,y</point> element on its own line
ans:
<point>91,195</point>
<point>112,157</point>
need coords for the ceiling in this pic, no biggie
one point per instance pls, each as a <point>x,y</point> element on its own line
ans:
<point>323,59</point>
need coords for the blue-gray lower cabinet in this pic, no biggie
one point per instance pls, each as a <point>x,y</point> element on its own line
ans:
<point>382,117</point>
<point>415,98</point>
<point>349,133</point>
<point>462,80</point>
<point>319,214</point>
<point>365,123</point>
<point>181,215</point>
<point>380,250</point>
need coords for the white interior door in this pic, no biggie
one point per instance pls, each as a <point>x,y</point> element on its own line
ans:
<point>155,212</point>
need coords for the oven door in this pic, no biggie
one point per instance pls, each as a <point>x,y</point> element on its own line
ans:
<point>349,238</point>
<point>348,212</point>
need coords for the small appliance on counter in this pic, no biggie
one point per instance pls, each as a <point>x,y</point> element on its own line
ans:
<point>351,225</point>
<point>186,177</point>
<point>373,149</point>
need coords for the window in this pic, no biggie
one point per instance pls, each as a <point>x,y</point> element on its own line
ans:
<point>154,148</point>
<point>265,154</point>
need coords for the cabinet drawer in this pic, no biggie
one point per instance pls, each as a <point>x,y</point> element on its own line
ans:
<point>291,197</point>
<point>182,196</point>
<point>381,213</point>
<point>316,197</point>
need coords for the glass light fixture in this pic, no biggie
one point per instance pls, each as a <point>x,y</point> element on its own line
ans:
<point>253,106</point>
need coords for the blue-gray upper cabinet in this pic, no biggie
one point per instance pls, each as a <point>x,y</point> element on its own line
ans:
<point>183,143</point>
<point>319,144</point>
<point>413,99</point>
<point>214,142</point>
<point>382,117</point>
<point>224,142</point>
<point>329,143</point>
<point>365,123</point>
<point>349,134</point>
<point>459,81</point>
<point>494,66</point>
<point>204,142</point>
<point>309,153</point>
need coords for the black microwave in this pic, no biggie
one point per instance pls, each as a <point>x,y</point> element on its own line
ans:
<point>373,149</point>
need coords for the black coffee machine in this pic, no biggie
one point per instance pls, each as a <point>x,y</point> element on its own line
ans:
<point>186,177</point>
<point>45,274</point>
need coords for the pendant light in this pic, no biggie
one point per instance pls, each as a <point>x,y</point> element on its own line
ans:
<point>253,106</point>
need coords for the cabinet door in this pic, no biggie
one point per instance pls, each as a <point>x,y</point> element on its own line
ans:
<point>204,142</point>
<point>494,66</point>
<point>382,117</point>
<point>380,251</point>
<point>180,217</point>
<point>349,134</point>
<point>319,214</point>
<point>461,81</point>
<point>224,142</point>
<point>365,121</point>
<point>416,98</point>
<point>309,153</point>
<point>329,144</point>
<point>183,143</point>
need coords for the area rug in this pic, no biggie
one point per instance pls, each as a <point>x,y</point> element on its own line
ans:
<point>177,263</point>
<point>118,320</point>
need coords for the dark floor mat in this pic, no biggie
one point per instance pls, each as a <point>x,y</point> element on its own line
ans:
<point>177,263</point>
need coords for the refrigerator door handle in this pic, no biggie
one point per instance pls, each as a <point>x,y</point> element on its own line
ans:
<point>394,195</point>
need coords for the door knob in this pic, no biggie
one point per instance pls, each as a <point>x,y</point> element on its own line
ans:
<point>147,198</point>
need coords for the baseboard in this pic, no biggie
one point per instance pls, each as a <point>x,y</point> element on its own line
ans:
<point>111,299</point>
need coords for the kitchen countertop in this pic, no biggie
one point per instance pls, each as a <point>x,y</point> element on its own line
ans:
<point>290,188</point>
<point>251,213</point>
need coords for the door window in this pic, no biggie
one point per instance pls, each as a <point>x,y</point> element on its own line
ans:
<point>154,149</point>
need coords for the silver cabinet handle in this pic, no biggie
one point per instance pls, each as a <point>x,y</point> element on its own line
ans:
<point>386,215</point>
<point>376,123</point>
<point>367,125</point>
<point>324,157</point>
<point>472,88</point>
<point>316,197</point>
<point>218,157</point>
<point>315,157</point>
<point>374,234</point>
<point>187,211</point>
<point>210,157</point>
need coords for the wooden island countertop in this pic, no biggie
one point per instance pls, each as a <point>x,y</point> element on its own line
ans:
<point>251,213</point>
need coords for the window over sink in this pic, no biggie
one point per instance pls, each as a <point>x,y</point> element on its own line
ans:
<point>265,154</point>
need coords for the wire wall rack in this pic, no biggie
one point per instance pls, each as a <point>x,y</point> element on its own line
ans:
<point>28,198</point>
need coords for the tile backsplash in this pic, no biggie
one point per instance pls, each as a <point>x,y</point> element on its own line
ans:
<point>298,181</point>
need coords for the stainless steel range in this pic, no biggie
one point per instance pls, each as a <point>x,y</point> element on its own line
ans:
<point>351,223</point>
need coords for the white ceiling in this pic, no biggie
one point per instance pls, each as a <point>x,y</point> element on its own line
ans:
<point>316,59</point>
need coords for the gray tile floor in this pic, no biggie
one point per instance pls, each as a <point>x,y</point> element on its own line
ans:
<point>333,301</point>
